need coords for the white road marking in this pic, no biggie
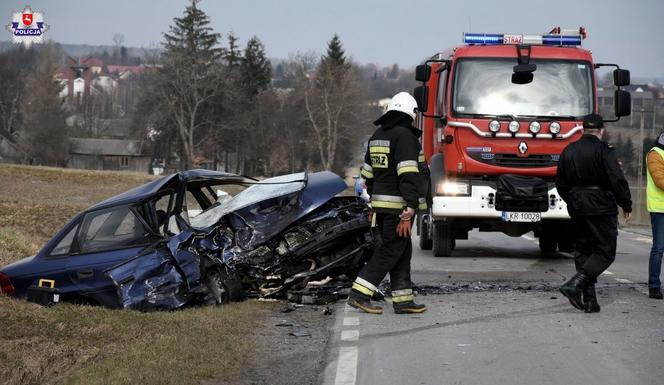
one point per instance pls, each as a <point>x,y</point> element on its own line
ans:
<point>351,321</point>
<point>346,366</point>
<point>623,280</point>
<point>350,335</point>
<point>606,272</point>
<point>644,239</point>
<point>347,308</point>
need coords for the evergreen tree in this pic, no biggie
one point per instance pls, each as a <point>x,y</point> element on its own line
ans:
<point>335,56</point>
<point>233,55</point>
<point>256,69</point>
<point>44,125</point>
<point>191,78</point>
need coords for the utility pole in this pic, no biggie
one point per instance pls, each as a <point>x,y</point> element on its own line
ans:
<point>640,168</point>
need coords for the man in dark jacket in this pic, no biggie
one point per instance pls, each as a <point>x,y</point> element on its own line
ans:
<point>394,183</point>
<point>591,182</point>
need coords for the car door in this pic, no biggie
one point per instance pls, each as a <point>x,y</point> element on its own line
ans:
<point>105,238</point>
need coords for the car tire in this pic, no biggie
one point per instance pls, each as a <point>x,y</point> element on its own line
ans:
<point>443,243</point>
<point>547,244</point>
<point>426,243</point>
<point>224,286</point>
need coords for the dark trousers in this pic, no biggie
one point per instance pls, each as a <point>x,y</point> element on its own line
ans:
<point>391,254</point>
<point>655,263</point>
<point>595,243</point>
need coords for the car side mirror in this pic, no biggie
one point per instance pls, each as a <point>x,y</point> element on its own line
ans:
<point>422,73</point>
<point>421,95</point>
<point>621,78</point>
<point>622,102</point>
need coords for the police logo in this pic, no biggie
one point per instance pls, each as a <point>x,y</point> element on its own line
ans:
<point>27,27</point>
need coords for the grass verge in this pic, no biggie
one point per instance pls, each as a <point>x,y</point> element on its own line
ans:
<point>70,344</point>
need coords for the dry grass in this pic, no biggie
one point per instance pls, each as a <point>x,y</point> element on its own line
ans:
<point>91,345</point>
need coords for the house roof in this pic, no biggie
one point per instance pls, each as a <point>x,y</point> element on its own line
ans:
<point>92,146</point>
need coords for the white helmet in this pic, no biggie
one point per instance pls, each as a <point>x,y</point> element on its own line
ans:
<point>403,102</point>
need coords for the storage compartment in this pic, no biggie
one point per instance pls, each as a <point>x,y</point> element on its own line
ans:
<point>521,193</point>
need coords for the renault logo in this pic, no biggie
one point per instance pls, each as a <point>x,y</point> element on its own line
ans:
<point>523,147</point>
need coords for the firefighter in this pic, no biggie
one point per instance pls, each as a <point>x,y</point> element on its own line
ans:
<point>394,183</point>
<point>590,180</point>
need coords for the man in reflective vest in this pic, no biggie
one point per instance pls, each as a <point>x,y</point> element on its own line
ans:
<point>655,195</point>
<point>395,185</point>
<point>590,181</point>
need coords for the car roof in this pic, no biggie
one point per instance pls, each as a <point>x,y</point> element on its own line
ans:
<point>151,188</point>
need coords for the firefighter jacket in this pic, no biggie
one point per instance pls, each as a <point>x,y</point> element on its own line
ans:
<point>392,170</point>
<point>589,179</point>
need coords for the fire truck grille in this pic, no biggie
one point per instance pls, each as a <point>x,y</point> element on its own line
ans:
<point>511,160</point>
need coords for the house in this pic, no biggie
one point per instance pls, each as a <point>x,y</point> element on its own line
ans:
<point>108,154</point>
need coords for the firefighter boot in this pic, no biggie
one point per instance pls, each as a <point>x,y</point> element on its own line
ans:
<point>409,307</point>
<point>573,289</point>
<point>363,302</point>
<point>590,299</point>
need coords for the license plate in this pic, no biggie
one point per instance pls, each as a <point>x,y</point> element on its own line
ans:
<point>515,216</point>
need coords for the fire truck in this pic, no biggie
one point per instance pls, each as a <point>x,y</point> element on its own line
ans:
<point>496,113</point>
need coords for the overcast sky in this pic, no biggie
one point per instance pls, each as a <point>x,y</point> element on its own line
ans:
<point>628,33</point>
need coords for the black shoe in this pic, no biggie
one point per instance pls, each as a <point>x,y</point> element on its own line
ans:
<point>655,293</point>
<point>409,307</point>
<point>590,300</point>
<point>573,289</point>
<point>363,303</point>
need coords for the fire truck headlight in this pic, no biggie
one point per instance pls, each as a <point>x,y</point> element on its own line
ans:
<point>514,126</point>
<point>554,127</point>
<point>535,127</point>
<point>494,126</point>
<point>453,187</point>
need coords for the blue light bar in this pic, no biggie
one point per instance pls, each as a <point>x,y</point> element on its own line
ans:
<point>482,38</point>
<point>574,40</point>
<point>504,39</point>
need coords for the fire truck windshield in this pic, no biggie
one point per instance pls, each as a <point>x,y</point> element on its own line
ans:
<point>559,88</point>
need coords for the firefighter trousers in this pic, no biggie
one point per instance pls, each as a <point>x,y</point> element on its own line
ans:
<point>391,254</point>
<point>595,243</point>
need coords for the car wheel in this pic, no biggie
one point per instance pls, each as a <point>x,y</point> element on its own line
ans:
<point>426,243</point>
<point>224,287</point>
<point>443,243</point>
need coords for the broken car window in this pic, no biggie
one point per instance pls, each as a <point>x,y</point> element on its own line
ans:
<point>261,191</point>
<point>112,228</point>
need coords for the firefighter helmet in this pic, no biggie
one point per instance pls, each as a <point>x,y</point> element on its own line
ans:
<point>403,102</point>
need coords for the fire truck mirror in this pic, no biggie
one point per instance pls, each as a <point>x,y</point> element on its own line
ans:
<point>421,95</point>
<point>621,78</point>
<point>623,101</point>
<point>422,73</point>
<point>523,73</point>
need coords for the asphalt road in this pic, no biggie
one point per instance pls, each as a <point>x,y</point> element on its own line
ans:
<point>495,317</point>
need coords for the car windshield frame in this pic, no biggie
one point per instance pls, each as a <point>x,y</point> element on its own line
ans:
<point>258,192</point>
<point>544,79</point>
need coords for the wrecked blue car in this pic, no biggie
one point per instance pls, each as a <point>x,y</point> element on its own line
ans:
<point>189,238</point>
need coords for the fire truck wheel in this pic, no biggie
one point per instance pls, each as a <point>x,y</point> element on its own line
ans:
<point>547,244</point>
<point>423,225</point>
<point>443,243</point>
<point>566,246</point>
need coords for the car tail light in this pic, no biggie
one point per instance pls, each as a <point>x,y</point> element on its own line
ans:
<point>6,285</point>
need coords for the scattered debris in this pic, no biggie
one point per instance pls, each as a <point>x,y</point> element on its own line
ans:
<point>300,333</point>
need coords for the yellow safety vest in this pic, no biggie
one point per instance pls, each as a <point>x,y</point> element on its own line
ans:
<point>654,194</point>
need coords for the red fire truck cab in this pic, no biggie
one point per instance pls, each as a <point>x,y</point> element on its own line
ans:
<point>496,113</point>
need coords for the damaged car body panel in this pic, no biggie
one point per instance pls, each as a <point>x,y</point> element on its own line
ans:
<point>114,231</point>
<point>277,234</point>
